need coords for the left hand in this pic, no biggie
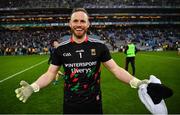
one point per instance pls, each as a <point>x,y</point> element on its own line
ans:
<point>135,83</point>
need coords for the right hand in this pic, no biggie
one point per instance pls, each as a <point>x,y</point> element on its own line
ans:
<point>24,92</point>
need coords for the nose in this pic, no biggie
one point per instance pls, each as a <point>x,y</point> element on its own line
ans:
<point>79,23</point>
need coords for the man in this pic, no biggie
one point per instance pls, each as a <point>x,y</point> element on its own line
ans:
<point>80,57</point>
<point>130,52</point>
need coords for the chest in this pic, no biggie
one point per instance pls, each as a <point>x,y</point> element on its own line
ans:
<point>80,53</point>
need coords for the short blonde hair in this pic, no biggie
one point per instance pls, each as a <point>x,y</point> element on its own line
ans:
<point>79,10</point>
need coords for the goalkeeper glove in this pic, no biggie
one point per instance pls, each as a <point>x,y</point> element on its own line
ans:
<point>135,83</point>
<point>24,92</point>
<point>60,73</point>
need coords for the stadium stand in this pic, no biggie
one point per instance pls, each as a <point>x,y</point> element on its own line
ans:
<point>20,42</point>
<point>87,3</point>
<point>151,24</point>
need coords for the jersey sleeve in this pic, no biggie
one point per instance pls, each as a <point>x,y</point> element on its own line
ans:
<point>56,59</point>
<point>105,54</point>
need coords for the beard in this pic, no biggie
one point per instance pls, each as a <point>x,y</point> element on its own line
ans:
<point>79,34</point>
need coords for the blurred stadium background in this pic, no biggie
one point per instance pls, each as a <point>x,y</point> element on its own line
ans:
<point>28,26</point>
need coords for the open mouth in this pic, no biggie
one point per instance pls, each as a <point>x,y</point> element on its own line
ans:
<point>79,30</point>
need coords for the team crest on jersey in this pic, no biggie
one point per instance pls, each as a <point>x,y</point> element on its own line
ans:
<point>93,52</point>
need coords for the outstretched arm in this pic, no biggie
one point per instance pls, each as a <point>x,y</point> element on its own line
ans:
<point>47,77</point>
<point>119,72</point>
<point>122,74</point>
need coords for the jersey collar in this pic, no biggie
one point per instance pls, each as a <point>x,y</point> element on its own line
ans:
<point>72,41</point>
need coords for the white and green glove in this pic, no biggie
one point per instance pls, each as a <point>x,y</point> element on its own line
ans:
<point>135,83</point>
<point>24,92</point>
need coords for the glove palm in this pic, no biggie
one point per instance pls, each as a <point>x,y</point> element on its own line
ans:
<point>24,92</point>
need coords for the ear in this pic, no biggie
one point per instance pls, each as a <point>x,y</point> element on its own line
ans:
<point>88,24</point>
<point>70,24</point>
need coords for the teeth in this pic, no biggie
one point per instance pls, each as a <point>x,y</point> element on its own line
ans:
<point>79,29</point>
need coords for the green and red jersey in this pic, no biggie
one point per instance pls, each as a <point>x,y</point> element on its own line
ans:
<point>81,63</point>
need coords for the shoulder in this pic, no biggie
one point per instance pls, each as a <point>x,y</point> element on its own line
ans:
<point>97,43</point>
<point>93,40</point>
<point>126,46</point>
<point>64,43</point>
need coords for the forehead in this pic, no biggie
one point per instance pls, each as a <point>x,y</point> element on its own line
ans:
<point>55,41</point>
<point>79,16</point>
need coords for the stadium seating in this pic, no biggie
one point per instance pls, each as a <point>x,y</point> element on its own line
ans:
<point>146,38</point>
<point>27,31</point>
<point>87,3</point>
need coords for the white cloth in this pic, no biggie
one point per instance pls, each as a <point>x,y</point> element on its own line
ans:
<point>147,101</point>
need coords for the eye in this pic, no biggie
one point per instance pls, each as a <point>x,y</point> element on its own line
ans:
<point>75,21</point>
<point>83,21</point>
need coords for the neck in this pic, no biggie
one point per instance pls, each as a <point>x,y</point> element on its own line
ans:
<point>79,40</point>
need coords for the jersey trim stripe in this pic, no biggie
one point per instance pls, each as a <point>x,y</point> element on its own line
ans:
<point>65,42</point>
<point>95,40</point>
<point>89,39</point>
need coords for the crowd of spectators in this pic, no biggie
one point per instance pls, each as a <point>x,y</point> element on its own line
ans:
<point>128,3</point>
<point>146,38</point>
<point>22,42</point>
<point>25,42</point>
<point>33,4</point>
<point>87,3</point>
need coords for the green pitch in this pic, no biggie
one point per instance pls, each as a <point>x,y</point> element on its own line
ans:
<point>117,96</point>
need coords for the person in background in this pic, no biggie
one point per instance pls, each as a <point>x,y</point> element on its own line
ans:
<point>130,51</point>
<point>54,44</point>
<point>178,47</point>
